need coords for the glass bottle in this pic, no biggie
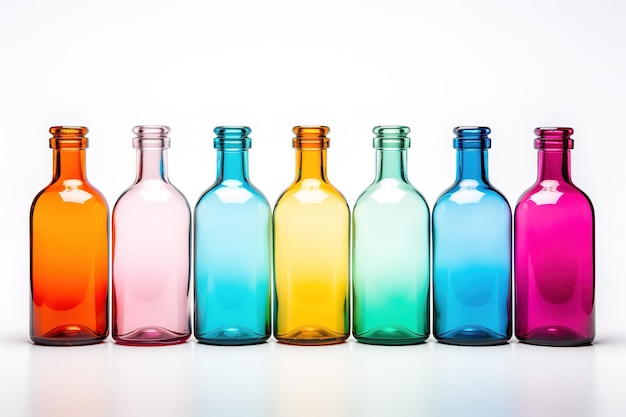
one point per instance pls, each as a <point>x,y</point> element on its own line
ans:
<point>472,251</point>
<point>69,258</point>
<point>151,250</point>
<point>554,251</point>
<point>233,226</point>
<point>311,250</point>
<point>391,250</point>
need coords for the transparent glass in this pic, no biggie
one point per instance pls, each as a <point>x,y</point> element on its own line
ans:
<point>554,251</point>
<point>391,250</point>
<point>311,250</point>
<point>233,226</point>
<point>69,258</point>
<point>472,251</point>
<point>151,250</point>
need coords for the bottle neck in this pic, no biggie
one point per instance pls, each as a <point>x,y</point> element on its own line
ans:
<point>391,163</point>
<point>152,164</point>
<point>311,163</point>
<point>68,163</point>
<point>232,164</point>
<point>553,164</point>
<point>472,164</point>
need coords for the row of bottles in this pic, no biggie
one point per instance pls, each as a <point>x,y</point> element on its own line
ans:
<point>310,234</point>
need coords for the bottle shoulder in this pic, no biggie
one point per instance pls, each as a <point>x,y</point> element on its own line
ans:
<point>232,192</point>
<point>311,191</point>
<point>152,192</point>
<point>391,191</point>
<point>71,191</point>
<point>556,195</point>
<point>471,191</point>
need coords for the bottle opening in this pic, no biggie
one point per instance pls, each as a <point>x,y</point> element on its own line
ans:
<point>391,137</point>
<point>311,137</point>
<point>151,137</point>
<point>232,137</point>
<point>554,138</point>
<point>68,137</point>
<point>471,137</point>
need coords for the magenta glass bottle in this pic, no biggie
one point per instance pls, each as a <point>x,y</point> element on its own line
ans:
<point>554,251</point>
<point>151,250</point>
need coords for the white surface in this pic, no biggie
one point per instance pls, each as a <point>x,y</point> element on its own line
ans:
<point>350,65</point>
<point>351,379</point>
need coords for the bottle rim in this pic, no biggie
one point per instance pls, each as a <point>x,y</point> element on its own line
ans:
<point>232,137</point>
<point>471,137</point>
<point>68,137</point>
<point>151,137</point>
<point>558,138</point>
<point>391,137</point>
<point>311,137</point>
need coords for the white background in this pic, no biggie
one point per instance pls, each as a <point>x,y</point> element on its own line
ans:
<point>350,65</point>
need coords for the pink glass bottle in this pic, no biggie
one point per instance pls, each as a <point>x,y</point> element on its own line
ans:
<point>151,250</point>
<point>554,251</point>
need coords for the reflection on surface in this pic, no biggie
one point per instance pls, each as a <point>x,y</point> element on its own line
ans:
<point>310,192</point>
<point>72,192</point>
<point>69,381</point>
<point>555,381</point>
<point>548,195</point>
<point>388,192</point>
<point>467,193</point>
<point>350,379</point>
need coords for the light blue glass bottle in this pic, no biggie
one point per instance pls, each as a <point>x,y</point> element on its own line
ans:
<point>232,224</point>
<point>472,251</point>
<point>391,250</point>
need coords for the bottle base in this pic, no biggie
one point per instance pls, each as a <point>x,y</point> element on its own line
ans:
<point>231,336</point>
<point>151,336</point>
<point>311,336</point>
<point>558,336</point>
<point>69,335</point>
<point>473,335</point>
<point>392,335</point>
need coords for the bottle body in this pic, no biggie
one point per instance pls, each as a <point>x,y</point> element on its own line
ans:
<point>232,224</point>
<point>69,250</point>
<point>391,251</point>
<point>151,226</point>
<point>554,252</point>
<point>311,250</point>
<point>472,251</point>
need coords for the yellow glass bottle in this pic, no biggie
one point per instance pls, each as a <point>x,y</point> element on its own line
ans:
<point>311,250</point>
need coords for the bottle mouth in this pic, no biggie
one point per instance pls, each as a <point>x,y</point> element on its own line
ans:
<point>471,137</point>
<point>232,137</point>
<point>68,137</point>
<point>554,138</point>
<point>311,137</point>
<point>391,137</point>
<point>151,137</point>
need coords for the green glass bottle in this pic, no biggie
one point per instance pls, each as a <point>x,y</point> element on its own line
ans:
<point>391,250</point>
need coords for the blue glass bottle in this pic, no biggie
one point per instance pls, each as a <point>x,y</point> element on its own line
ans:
<point>232,224</point>
<point>472,251</point>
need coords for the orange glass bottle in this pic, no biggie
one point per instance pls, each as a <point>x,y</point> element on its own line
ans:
<point>69,259</point>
